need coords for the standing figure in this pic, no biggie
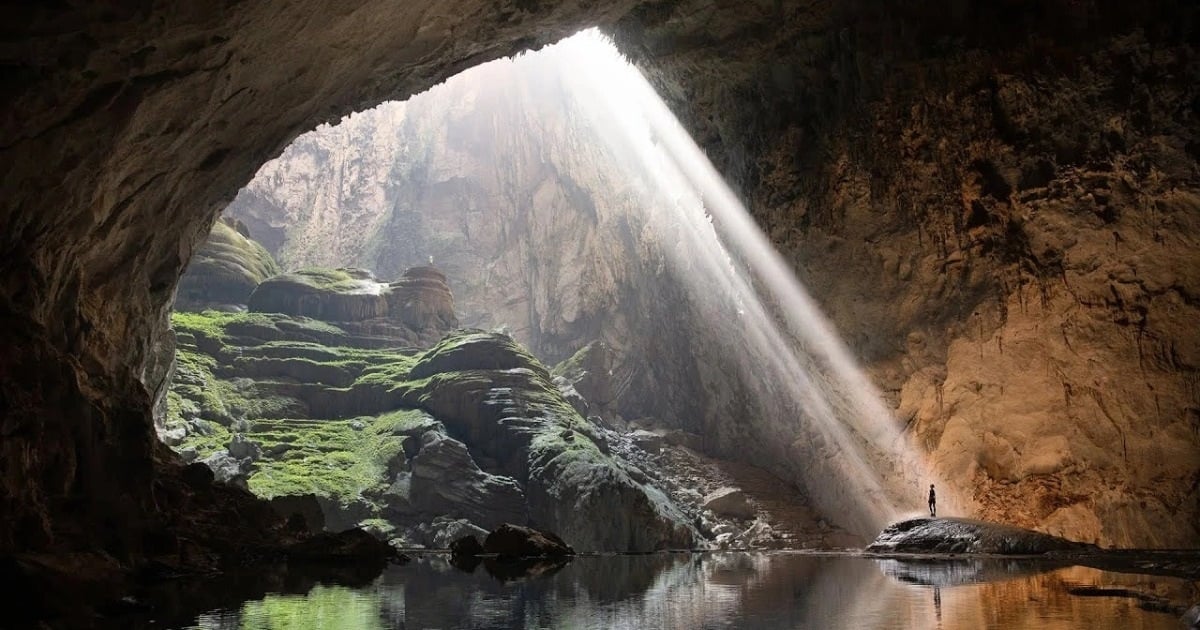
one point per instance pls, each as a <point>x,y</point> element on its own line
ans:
<point>932,502</point>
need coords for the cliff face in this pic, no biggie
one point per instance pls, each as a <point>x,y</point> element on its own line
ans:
<point>502,180</point>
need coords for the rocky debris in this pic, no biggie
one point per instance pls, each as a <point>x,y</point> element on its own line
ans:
<point>510,541</point>
<point>446,480</point>
<point>225,270</point>
<point>729,502</point>
<point>228,469</point>
<point>957,535</point>
<point>649,441</point>
<point>242,448</point>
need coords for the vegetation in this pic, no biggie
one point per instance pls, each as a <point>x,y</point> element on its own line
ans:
<point>272,378</point>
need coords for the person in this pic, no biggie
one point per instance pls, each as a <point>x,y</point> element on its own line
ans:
<point>932,502</point>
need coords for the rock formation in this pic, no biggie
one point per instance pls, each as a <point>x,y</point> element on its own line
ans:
<point>878,140</point>
<point>956,535</point>
<point>225,269</point>
<point>293,399</point>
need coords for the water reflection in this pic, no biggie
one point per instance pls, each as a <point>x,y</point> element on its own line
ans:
<point>721,590</point>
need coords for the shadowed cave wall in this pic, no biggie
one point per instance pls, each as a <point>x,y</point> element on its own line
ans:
<point>1013,185</point>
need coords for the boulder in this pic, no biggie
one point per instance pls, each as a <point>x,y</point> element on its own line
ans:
<point>467,546</point>
<point>960,535</point>
<point>241,447</point>
<point>227,468</point>
<point>516,541</point>
<point>647,440</point>
<point>446,531</point>
<point>729,502</point>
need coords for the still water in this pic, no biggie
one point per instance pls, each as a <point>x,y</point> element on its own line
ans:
<point>732,590</point>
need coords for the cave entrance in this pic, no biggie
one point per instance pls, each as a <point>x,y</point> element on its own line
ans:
<point>616,293</point>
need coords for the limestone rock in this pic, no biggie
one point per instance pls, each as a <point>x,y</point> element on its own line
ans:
<point>446,480</point>
<point>476,350</point>
<point>340,295</point>
<point>304,506</point>
<point>421,299</point>
<point>729,502</point>
<point>225,269</point>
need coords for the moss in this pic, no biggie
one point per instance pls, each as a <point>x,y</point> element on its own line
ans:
<point>345,460</point>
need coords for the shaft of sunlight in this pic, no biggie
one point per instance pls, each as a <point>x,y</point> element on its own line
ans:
<point>848,451</point>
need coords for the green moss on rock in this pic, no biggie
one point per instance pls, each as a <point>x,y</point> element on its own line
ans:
<point>225,270</point>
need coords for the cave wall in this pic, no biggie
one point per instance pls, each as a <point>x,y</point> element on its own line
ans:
<point>874,136</point>
<point>996,203</point>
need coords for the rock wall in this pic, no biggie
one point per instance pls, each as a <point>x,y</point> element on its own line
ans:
<point>1003,229</point>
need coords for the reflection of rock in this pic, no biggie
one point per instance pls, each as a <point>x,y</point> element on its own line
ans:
<point>523,568</point>
<point>957,571</point>
<point>515,541</point>
<point>955,535</point>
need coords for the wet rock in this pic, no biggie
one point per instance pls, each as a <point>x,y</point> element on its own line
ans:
<point>729,502</point>
<point>955,535</point>
<point>1191,618</point>
<point>516,541</point>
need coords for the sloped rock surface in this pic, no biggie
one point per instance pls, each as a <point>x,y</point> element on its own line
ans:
<point>225,270</point>
<point>956,535</point>
<point>446,480</point>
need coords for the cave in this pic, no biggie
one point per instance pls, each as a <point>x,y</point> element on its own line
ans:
<point>995,204</point>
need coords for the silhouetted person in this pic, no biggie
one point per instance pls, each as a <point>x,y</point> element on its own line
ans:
<point>932,502</point>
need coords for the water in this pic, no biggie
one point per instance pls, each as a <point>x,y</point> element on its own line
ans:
<point>725,590</point>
